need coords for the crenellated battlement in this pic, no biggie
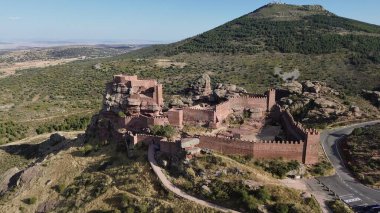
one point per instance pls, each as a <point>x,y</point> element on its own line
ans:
<point>280,142</point>
<point>131,116</point>
<point>232,140</point>
<point>198,109</point>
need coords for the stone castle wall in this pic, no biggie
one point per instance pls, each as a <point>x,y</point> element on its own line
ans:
<point>290,150</point>
<point>222,110</point>
<point>303,147</point>
<point>198,115</point>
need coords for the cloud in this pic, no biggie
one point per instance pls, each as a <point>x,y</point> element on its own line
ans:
<point>14,18</point>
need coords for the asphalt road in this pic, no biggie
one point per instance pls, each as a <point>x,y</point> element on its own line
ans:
<point>342,183</point>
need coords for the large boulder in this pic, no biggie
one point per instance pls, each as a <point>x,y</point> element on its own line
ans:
<point>202,86</point>
<point>226,91</point>
<point>293,87</point>
<point>373,96</point>
<point>313,87</point>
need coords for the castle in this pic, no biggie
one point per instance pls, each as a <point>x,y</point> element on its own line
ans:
<point>132,106</point>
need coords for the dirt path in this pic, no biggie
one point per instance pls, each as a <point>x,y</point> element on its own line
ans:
<point>171,187</point>
<point>42,137</point>
<point>57,116</point>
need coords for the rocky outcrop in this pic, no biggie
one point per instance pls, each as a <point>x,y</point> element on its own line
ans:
<point>201,91</point>
<point>119,97</point>
<point>5,179</point>
<point>226,91</point>
<point>373,96</point>
<point>293,87</point>
<point>201,87</point>
<point>178,102</point>
<point>314,101</point>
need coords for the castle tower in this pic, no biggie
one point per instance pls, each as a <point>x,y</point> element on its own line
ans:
<point>271,99</point>
<point>310,155</point>
<point>157,95</point>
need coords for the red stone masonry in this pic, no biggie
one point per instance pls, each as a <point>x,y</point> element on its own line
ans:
<point>303,147</point>
<point>303,144</point>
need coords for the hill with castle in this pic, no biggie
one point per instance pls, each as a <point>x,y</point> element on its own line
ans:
<point>222,119</point>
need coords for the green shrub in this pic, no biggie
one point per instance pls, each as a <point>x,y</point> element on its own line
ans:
<point>167,131</point>
<point>321,168</point>
<point>262,194</point>
<point>338,206</point>
<point>87,149</point>
<point>59,188</point>
<point>72,123</point>
<point>130,210</point>
<point>278,167</point>
<point>11,131</point>
<point>30,201</point>
<point>121,114</point>
<point>280,208</point>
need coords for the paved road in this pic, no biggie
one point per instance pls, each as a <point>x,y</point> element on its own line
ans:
<point>176,190</point>
<point>343,183</point>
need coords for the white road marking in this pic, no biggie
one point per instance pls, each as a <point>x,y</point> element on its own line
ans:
<point>352,200</point>
<point>346,195</point>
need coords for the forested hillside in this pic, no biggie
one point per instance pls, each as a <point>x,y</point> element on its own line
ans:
<point>287,29</point>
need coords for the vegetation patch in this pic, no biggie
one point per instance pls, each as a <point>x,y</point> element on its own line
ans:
<point>277,167</point>
<point>222,182</point>
<point>362,153</point>
<point>167,131</point>
<point>338,206</point>
<point>322,168</point>
<point>69,124</point>
<point>10,131</point>
<point>30,200</point>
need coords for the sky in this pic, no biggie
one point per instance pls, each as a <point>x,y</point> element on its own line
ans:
<point>141,21</point>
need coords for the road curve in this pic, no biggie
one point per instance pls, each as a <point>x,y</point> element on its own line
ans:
<point>345,186</point>
<point>168,185</point>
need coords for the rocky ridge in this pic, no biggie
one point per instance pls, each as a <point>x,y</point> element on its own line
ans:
<point>315,102</point>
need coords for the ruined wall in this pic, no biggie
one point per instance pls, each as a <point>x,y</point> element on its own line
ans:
<point>135,123</point>
<point>146,139</point>
<point>143,83</point>
<point>157,95</point>
<point>222,111</point>
<point>195,115</point>
<point>271,101</point>
<point>124,78</point>
<point>169,147</point>
<point>293,129</point>
<point>157,120</point>
<point>250,101</point>
<point>175,117</point>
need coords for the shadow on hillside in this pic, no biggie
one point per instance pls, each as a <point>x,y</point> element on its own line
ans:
<point>41,150</point>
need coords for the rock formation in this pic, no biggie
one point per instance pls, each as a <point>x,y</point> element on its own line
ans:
<point>226,91</point>
<point>133,96</point>
<point>373,96</point>
<point>201,87</point>
<point>315,102</point>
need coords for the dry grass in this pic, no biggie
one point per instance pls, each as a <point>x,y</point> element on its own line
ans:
<point>7,69</point>
<point>125,183</point>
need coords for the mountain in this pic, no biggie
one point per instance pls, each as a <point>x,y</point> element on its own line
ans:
<point>308,29</point>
